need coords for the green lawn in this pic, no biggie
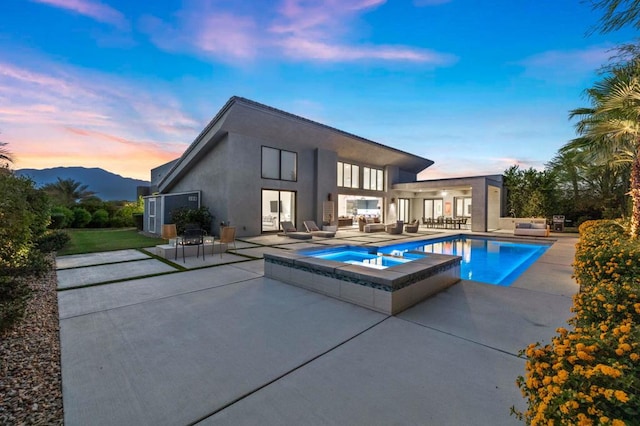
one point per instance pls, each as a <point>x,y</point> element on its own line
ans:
<point>95,240</point>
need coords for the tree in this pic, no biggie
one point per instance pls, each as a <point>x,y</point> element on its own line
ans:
<point>530,193</point>
<point>617,14</point>
<point>610,128</point>
<point>67,192</point>
<point>5,154</point>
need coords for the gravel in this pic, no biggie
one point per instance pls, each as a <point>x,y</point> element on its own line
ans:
<point>30,380</point>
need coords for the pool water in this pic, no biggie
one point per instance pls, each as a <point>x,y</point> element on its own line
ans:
<point>483,259</point>
<point>362,258</point>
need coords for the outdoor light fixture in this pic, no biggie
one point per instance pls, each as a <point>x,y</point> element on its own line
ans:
<point>393,201</point>
<point>444,192</point>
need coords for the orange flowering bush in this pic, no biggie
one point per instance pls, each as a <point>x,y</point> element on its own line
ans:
<point>590,375</point>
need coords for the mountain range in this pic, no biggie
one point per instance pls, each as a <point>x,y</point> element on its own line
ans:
<point>107,186</point>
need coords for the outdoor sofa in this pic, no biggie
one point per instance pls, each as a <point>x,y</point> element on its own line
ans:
<point>531,229</point>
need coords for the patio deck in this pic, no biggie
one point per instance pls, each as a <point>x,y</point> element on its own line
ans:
<point>222,344</point>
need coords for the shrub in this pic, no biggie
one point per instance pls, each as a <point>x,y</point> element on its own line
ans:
<point>100,218</point>
<point>591,374</point>
<point>183,216</point>
<point>52,241</point>
<point>61,217</point>
<point>81,217</point>
<point>14,295</point>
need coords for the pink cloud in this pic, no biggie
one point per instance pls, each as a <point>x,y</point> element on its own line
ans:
<point>91,9</point>
<point>299,29</point>
<point>562,65</point>
<point>300,48</point>
<point>68,116</point>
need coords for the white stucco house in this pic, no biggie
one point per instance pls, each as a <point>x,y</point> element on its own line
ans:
<point>255,166</point>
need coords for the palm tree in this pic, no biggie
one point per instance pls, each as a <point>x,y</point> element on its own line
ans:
<point>5,154</point>
<point>617,14</point>
<point>67,191</point>
<point>610,129</point>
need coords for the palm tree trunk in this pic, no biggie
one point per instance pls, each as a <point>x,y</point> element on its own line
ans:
<point>634,191</point>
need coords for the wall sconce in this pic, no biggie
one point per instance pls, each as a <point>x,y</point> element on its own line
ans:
<point>444,193</point>
<point>393,201</point>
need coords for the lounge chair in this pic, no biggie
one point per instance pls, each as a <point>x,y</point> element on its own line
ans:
<point>395,228</point>
<point>412,227</point>
<point>289,230</point>
<point>313,229</point>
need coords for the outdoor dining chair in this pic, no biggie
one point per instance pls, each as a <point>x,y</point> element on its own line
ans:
<point>191,237</point>
<point>227,235</point>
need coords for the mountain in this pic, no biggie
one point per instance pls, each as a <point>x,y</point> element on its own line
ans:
<point>108,186</point>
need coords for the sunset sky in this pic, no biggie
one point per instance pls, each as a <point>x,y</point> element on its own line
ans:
<point>475,86</point>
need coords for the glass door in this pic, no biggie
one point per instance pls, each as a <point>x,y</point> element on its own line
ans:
<point>277,206</point>
<point>403,210</point>
<point>432,209</point>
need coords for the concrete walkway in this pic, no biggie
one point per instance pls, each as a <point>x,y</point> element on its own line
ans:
<point>225,345</point>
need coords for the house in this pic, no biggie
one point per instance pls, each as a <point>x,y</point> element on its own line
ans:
<point>255,166</point>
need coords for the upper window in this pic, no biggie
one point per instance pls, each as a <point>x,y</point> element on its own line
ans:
<point>373,179</point>
<point>348,175</point>
<point>279,164</point>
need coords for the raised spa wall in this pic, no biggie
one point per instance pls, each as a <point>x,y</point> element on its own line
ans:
<point>389,290</point>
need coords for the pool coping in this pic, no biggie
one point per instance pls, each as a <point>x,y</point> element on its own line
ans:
<point>389,290</point>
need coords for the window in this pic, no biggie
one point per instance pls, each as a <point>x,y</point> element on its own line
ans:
<point>348,175</point>
<point>463,207</point>
<point>373,179</point>
<point>279,164</point>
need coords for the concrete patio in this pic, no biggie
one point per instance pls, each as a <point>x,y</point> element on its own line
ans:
<point>219,343</point>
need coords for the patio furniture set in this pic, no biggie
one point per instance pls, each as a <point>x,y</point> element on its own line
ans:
<point>445,222</point>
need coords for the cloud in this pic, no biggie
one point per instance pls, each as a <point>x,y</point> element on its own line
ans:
<point>70,116</point>
<point>316,31</point>
<point>91,9</point>
<point>566,65</point>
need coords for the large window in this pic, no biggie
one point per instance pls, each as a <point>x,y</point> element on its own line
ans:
<point>463,207</point>
<point>279,164</point>
<point>432,209</point>
<point>348,175</point>
<point>373,179</point>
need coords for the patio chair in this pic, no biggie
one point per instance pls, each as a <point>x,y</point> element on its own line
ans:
<point>289,230</point>
<point>191,237</point>
<point>169,231</point>
<point>227,236</point>
<point>412,227</point>
<point>313,229</point>
<point>395,228</point>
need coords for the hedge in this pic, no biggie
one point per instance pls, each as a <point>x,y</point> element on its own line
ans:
<point>590,373</point>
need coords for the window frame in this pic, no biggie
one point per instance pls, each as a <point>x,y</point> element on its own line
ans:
<point>281,154</point>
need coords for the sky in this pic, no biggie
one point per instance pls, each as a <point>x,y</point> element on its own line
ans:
<point>476,86</point>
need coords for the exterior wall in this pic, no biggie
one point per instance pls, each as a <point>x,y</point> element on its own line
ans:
<point>493,207</point>
<point>230,178</point>
<point>479,207</point>
<point>326,184</point>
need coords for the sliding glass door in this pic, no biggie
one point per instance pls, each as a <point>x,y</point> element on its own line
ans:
<point>403,210</point>
<point>432,209</point>
<point>277,206</point>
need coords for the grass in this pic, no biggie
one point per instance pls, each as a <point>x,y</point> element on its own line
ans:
<point>96,240</point>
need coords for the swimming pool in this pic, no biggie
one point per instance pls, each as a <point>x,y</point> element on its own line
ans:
<point>354,256</point>
<point>486,260</point>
